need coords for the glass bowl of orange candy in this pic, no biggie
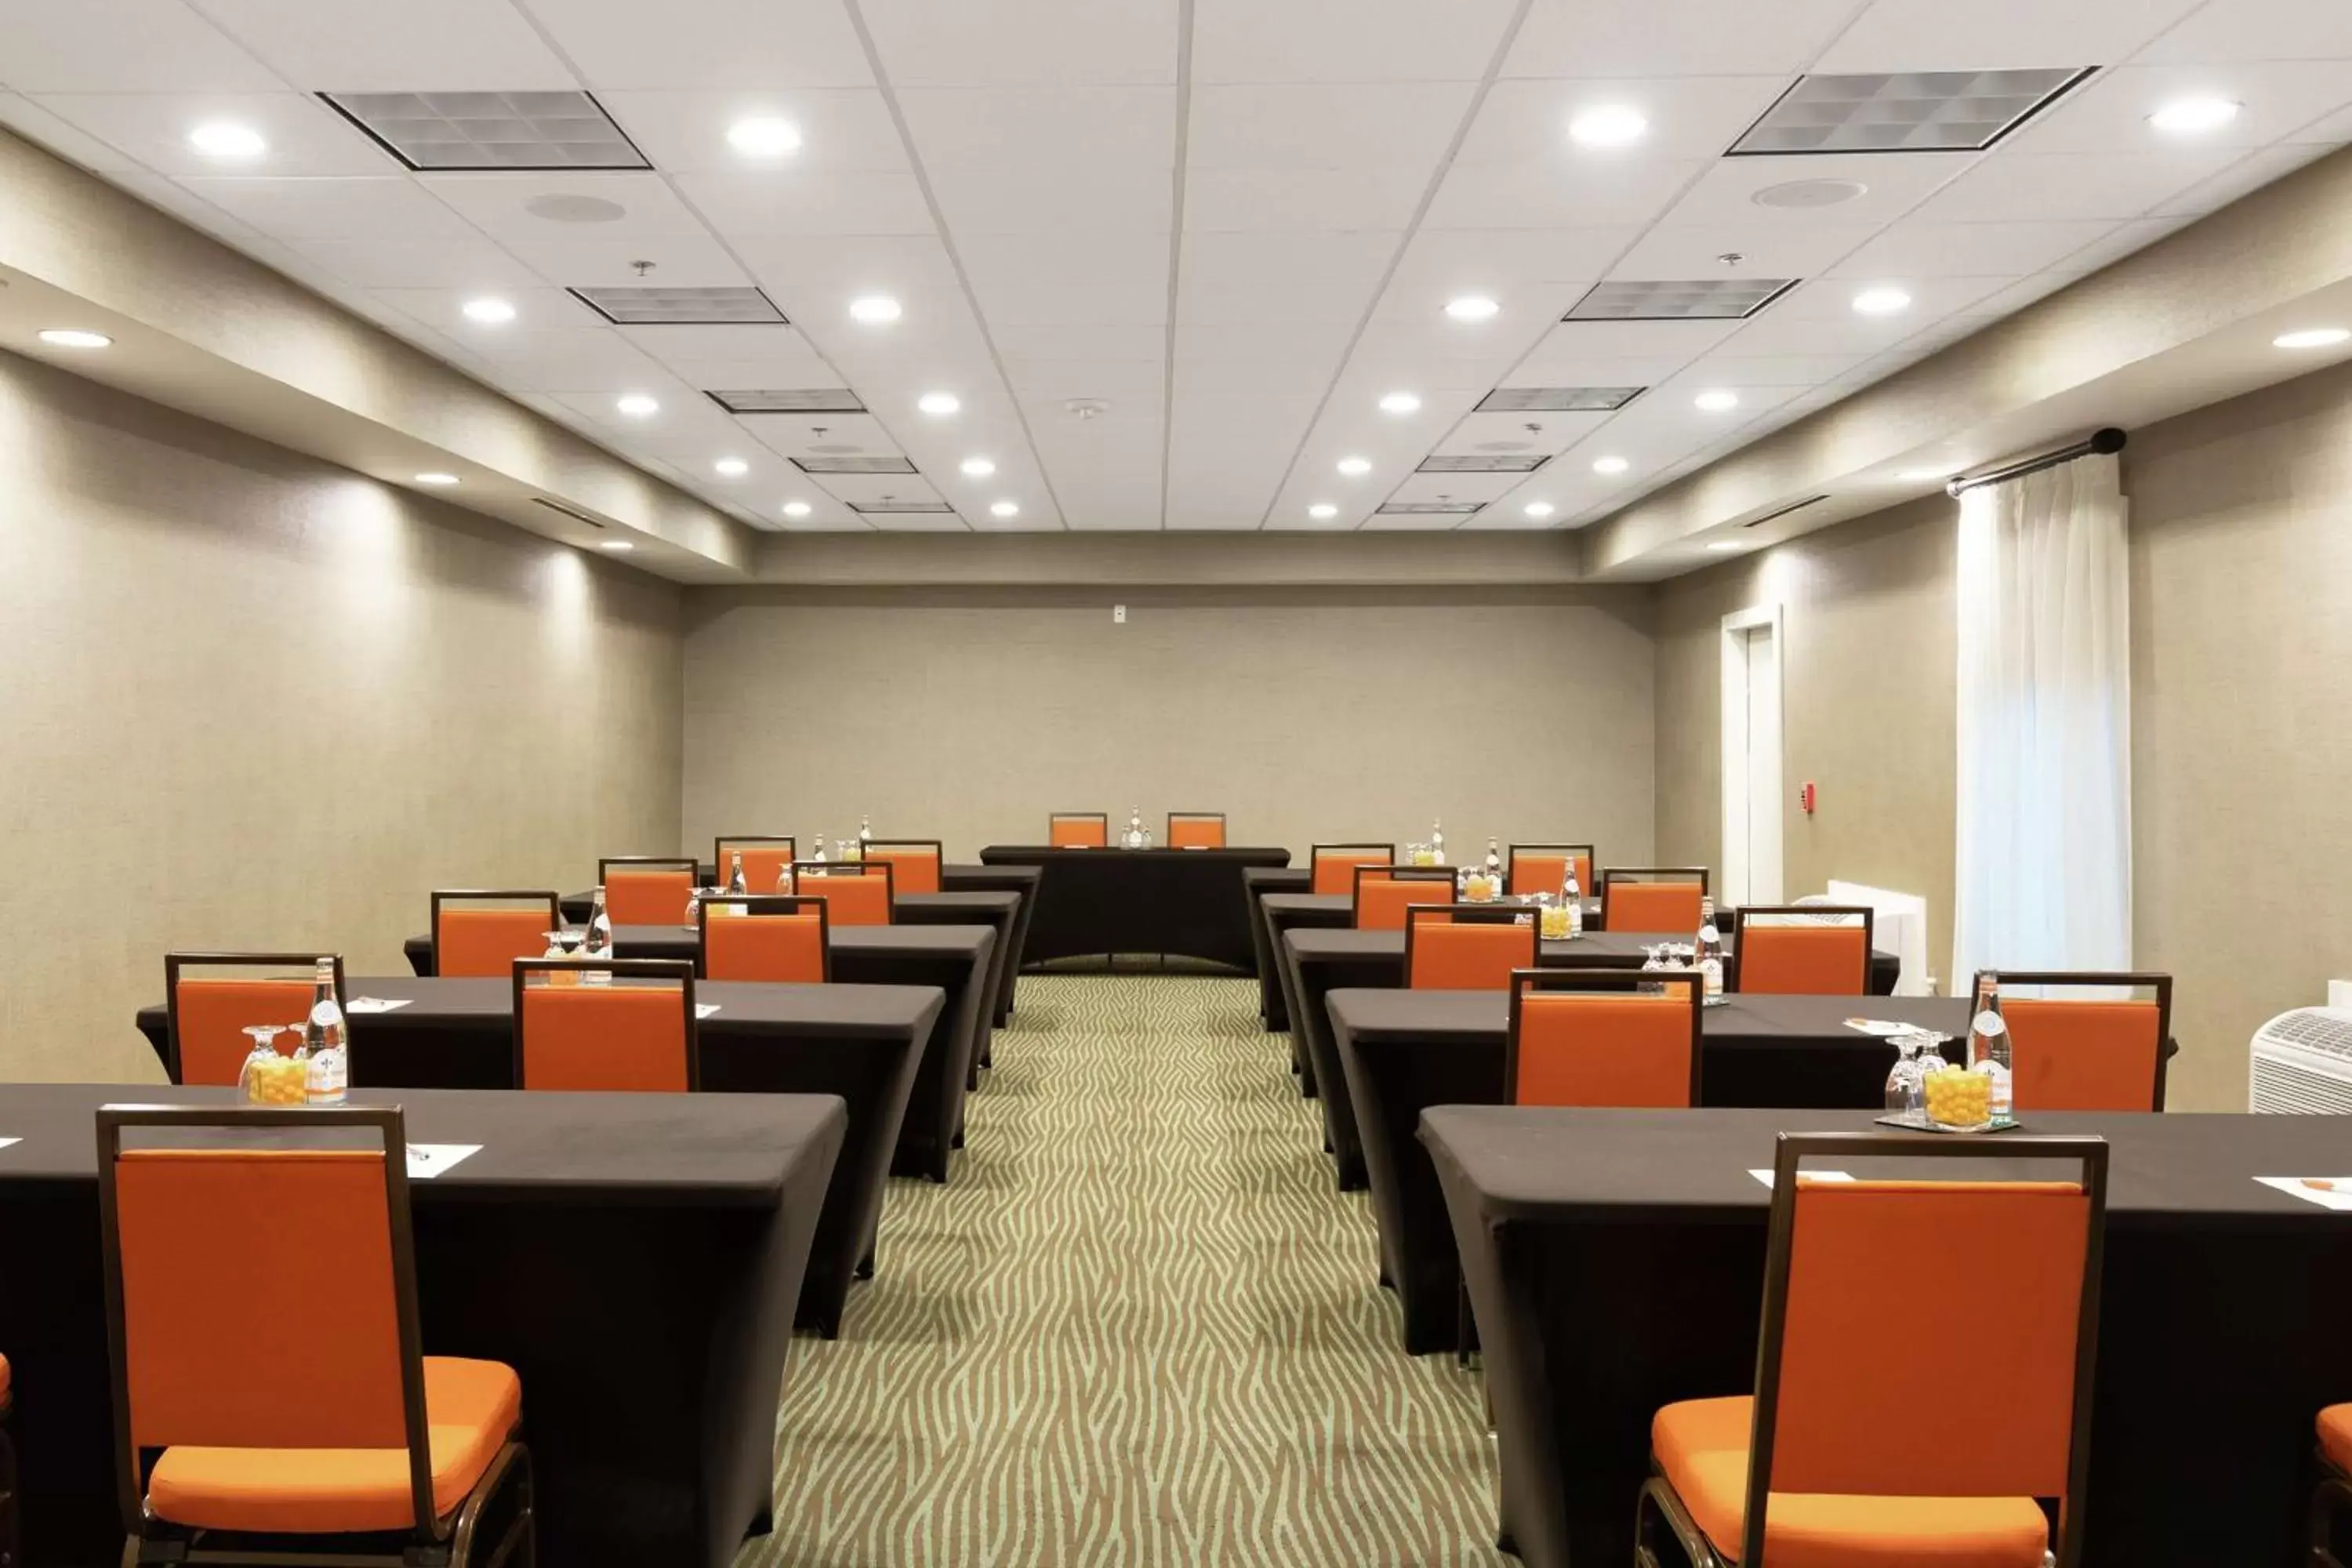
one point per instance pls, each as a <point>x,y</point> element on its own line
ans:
<point>1959,1098</point>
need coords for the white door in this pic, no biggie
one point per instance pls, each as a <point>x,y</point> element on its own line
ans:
<point>1751,757</point>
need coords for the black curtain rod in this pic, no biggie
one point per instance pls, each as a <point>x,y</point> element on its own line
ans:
<point>2101,443</point>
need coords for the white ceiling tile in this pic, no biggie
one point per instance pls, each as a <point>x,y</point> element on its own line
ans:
<point>790,364</point>
<point>844,266</point>
<point>702,344</point>
<point>1440,264</point>
<point>123,46</point>
<point>304,136</point>
<point>1673,38</point>
<point>1831,300</point>
<point>1997,35</point>
<point>2022,187</point>
<point>500,204</point>
<point>1528,121</point>
<point>1894,183</point>
<point>1077,129</point>
<point>2257,30</point>
<point>1345,40</point>
<point>1245,279</point>
<point>681,261</point>
<point>1920,250</point>
<point>1023,198</point>
<point>953,43</point>
<point>799,434</point>
<point>917,522</point>
<point>2111,114</point>
<point>686,132</point>
<point>1732,368</point>
<point>1296,342</point>
<point>581,361</point>
<point>1324,125</point>
<point>795,201</point>
<point>707,44</point>
<point>475,266</point>
<point>364,46</point>
<point>1424,488</point>
<point>1294,199</point>
<point>1670,251</point>
<point>1114,279</point>
<point>1571,341</point>
<point>539,308</point>
<point>1056,342</point>
<point>384,206</point>
<point>1054,381</point>
<point>1558,194</point>
<point>1824,323</point>
<point>1518,434</point>
<point>30,121</point>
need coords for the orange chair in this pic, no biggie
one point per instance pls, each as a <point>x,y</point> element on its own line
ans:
<point>1382,892</point>
<point>1196,830</point>
<point>1801,950</point>
<point>1078,829</point>
<point>2101,1052</point>
<point>1603,1038</point>
<point>1651,898</point>
<point>914,863</point>
<point>12,1552</point>
<point>206,1016</point>
<point>2333,1495</point>
<point>340,1438</point>
<point>635,1033</point>
<point>783,941</point>
<point>765,855</point>
<point>646,890</point>
<point>487,930</point>
<point>1333,865</point>
<point>1543,868</point>
<point>1823,1466</point>
<point>1467,947</point>
<point>860,893</point>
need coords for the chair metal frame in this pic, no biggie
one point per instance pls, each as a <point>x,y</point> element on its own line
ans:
<point>1216,816</point>
<point>175,962</point>
<point>678,969</point>
<point>1394,872</point>
<point>753,904</point>
<point>1601,983</point>
<point>446,895</point>
<point>2331,1496</point>
<point>1731,977</point>
<point>1315,854</point>
<point>1486,914</point>
<point>1511,857</point>
<point>2160,983</point>
<point>1605,875</point>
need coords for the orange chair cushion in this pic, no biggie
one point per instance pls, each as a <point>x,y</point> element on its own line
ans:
<point>1078,833</point>
<point>648,898</point>
<point>1480,957</point>
<point>850,900</point>
<point>1196,833</point>
<point>911,870</point>
<point>763,866</point>
<point>779,949</point>
<point>1604,1050</point>
<point>4,1380</point>
<point>485,942</point>
<point>616,1036</point>
<point>215,1015</point>
<point>2083,1056</point>
<point>1653,905</point>
<point>1335,869</point>
<point>470,1408</point>
<point>2335,1432</point>
<point>1381,901</point>
<point>1701,1448</point>
<point>1543,873</point>
<point>1803,961</point>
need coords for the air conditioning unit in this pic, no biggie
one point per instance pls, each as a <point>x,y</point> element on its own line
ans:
<point>2302,1063</point>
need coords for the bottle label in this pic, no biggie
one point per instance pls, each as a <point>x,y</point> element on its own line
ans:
<point>1711,975</point>
<point>1989,1023</point>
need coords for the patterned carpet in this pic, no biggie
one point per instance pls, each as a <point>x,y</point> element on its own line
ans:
<point>1139,1327</point>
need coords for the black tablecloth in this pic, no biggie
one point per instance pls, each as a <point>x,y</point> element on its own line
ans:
<point>1257,883</point>
<point>1324,961</point>
<point>1615,1260</point>
<point>1094,902</point>
<point>1403,1051</point>
<point>634,1258</point>
<point>956,959</point>
<point>859,1043</point>
<point>1022,882</point>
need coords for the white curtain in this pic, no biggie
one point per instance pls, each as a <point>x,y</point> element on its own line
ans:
<point>2044,785</point>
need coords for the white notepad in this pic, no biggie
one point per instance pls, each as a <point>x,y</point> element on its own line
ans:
<point>426,1160</point>
<point>2337,1195</point>
<point>1766,1177</point>
<point>5,1141</point>
<point>703,1009</point>
<point>374,1005</point>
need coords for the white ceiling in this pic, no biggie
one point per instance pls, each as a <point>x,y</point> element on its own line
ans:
<point>1236,236</point>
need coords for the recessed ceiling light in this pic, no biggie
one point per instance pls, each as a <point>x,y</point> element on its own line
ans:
<point>75,338</point>
<point>1881,301</point>
<point>796,508</point>
<point>1401,403</point>
<point>637,406</point>
<point>437,480</point>
<point>731,467</point>
<point>1471,308</point>
<point>939,403</point>
<point>1322,511</point>
<point>764,136</point>
<point>1609,465</point>
<point>1718,400</point>
<point>2309,338</point>
<point>1724,546</point>
<point>1608,125</point>
<point>1355,467</point>
<point>615,545</point>
<point>978,468</point>
<point>489,313</point>
<point>1005,508</point>
<point>2194,116</point>
<point>1538,509</point>
<point>873,310</point>
<point>220,138</point>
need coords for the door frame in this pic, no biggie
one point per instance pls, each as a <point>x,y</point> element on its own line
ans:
<point>1750,876</point>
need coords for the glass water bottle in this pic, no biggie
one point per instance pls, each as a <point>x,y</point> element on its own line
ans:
<point>326,1039</point>
<point>1709,953</point>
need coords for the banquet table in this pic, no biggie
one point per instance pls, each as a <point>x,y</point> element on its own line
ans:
<point>955,958</point>
<point>1615,1262</point>
<point>1403,1051</point>
<point>858,1043</point>
<point>1322,961</point>
<point>634,1257</point>
<point>1258,883</point>
<point>1098,902</point>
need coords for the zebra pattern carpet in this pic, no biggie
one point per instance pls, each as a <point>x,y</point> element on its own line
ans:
<point>1140,1326</point>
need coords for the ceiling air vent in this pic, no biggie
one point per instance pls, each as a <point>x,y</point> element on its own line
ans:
<point>568,511</point>
<point>641,307</point>
<point>1783,511</point>
<point>1430,508</point>
<point>888,507</point>
<point>491,130</point>
<point>1557,399</point>
<point>866,465</point>
<point>1680,299</point>
<point>1447,463</point>
<point>1916,112</point>
<point>772,399</point>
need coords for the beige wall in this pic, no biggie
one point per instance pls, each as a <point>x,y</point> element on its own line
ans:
<point>968,716</point>
<point>248,700</point>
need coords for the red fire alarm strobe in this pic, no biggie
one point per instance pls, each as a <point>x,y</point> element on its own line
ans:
<point>1805,797</point>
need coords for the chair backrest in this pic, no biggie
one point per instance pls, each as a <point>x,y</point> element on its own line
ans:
<point>480,932</point>
<point>646,890</point>
<point>1078,829</point>
<point>1651,898</point>
<point>780,940</point>
<point>1801,950</point>
<point>1604,1038</point>
<point>635,1033</point>
<point>1467,947</point>
<point>206,1014</point>
<point>1332,866</point>
<point>1196,830</point>
<point>1382,892</point>
<point>857,892</point>
<point>1543,868</point>
<point>201,1227</point>
<point>914,863</point>
<point>2016,1263</point>
<point>765,855</point>
<point>2100,1051</point>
